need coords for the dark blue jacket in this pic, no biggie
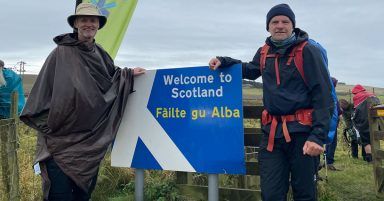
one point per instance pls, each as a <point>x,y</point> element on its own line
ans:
<point>293,93</point>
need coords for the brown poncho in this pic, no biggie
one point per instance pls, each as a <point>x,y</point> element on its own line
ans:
<point>76,106</point>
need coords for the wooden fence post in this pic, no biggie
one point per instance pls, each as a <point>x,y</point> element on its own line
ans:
<point>375,117</point>
<point>4,158</point>
<point>13,145</point>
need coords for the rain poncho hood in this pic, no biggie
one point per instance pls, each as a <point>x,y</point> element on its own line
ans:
<point>360,95</point>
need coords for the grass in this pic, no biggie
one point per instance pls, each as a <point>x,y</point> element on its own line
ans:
<point>159,186</point>
<point>354,182</point>
<point>29,182</point>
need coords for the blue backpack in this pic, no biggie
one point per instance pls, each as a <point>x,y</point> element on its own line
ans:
<point>335,116</point>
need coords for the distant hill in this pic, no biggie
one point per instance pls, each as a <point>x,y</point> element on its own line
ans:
<point>251,89</point>
<point>252,83</point>
<point>28,81</point>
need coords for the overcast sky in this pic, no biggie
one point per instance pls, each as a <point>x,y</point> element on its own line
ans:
<point>181,33</point>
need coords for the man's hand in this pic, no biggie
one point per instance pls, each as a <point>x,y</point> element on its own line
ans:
<point>312,149</point>
<point>138,71</point>
<point>214,63</point>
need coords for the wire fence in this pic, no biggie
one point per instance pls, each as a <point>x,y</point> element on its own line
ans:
<point>17,148</point>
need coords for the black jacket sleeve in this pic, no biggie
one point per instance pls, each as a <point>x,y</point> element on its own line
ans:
<point>319,85</point>
<point>360,119</point>
<point>251,70</point>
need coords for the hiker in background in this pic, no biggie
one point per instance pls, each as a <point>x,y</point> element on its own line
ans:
<point>330,148</point>
<point>297,102</point>
<point>10,82</point>
<point>349,131</point>
<point>362,101</point>
<point>76,105</point>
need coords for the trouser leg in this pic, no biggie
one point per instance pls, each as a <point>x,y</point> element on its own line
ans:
<point>317,163</point>
<point>302,170</point>
<point>80,195</point>
<point>274,172</point>
<point>63,188</point>
<point>331,149</point>
<point>354,149</point>
<point>363,154</point>
<point>61,184</point>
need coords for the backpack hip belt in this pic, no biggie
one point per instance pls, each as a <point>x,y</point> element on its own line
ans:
<point>302,116</point>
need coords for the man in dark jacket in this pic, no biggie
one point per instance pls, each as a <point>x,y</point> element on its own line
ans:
<point>297,109</point>
<point>362,101</point>
<point>76,105</point>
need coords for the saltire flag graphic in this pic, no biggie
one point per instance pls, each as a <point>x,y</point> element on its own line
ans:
<point>119,13</point>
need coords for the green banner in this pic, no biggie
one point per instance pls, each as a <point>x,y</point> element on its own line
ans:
<point>119,13</point>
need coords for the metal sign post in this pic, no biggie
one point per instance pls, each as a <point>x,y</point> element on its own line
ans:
<point>213,187</point>
<point>139,184</point>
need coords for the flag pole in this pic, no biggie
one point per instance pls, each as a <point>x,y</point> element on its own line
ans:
<point>77,3</point>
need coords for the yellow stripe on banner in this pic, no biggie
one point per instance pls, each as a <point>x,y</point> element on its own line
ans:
<point>119,13</point>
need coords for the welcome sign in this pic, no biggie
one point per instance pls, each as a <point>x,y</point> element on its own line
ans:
<point>184,119</point>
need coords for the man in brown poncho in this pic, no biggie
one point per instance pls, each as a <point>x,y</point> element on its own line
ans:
<point>76,106</point>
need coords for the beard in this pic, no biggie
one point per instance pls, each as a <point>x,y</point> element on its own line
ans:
<point>2,79</point>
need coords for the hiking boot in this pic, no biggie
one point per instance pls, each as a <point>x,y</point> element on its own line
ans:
<point>332,167</point>
<point>368,158</point>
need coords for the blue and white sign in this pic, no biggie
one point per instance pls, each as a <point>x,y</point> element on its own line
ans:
<point>184,119</point>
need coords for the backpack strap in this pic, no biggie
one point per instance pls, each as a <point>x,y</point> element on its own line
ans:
<point>263,57</point>
<point>297,55</point>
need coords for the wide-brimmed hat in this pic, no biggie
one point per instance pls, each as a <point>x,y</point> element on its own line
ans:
<point>87,9</point>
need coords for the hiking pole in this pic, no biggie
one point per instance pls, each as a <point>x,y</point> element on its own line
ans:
<point>325,163</point>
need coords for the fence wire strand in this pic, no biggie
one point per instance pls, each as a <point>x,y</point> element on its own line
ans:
<point>29,183</point>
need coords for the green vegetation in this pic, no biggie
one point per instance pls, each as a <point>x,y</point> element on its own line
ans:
<point>353,182</point>
<point>118,184</point>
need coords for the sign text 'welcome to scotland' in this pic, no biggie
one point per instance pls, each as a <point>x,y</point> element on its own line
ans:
<point>184,119</point>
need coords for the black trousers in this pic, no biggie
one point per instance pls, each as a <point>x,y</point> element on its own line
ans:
<point>63,188</point>
<point>355,149</point>
<point>330,150</point>
<point>286,165</point>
